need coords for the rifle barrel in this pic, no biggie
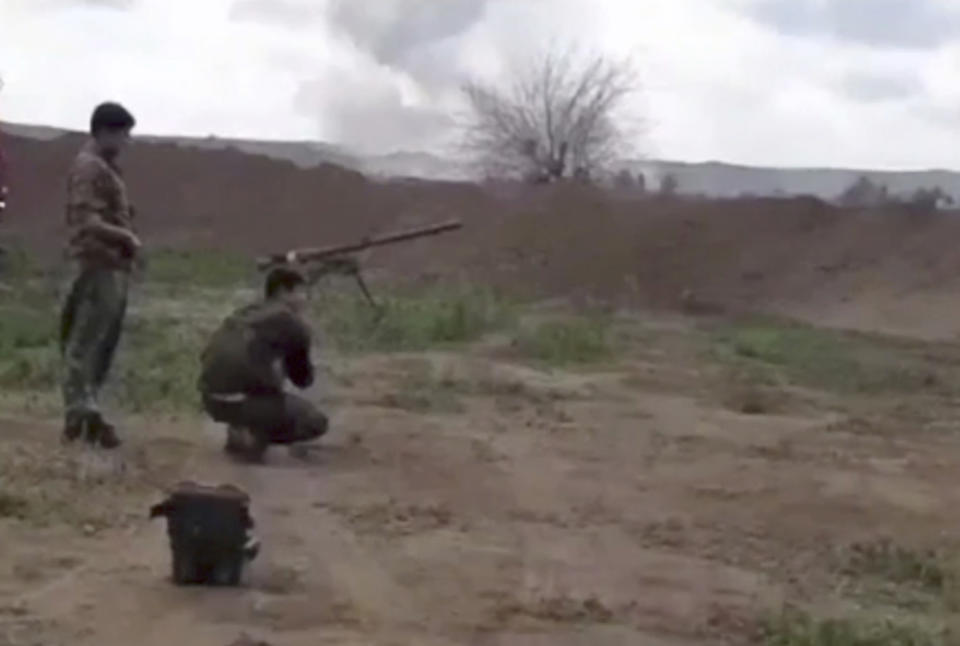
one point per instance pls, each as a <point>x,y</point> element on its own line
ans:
<point>319,253</point>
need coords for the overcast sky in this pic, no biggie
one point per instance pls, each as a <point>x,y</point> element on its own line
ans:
<point>864,83</point>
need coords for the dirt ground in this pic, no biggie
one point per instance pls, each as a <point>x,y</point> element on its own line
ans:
<point>503,504</point>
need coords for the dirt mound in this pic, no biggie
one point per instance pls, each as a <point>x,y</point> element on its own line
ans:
<point>797,255</point>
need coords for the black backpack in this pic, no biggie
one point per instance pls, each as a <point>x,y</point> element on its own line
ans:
<point>208,528</point>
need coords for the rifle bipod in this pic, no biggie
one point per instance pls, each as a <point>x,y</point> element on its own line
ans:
<point>345,267</point>
<point>377,309</point>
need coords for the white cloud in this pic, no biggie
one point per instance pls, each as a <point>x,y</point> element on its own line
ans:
<point>719,83</point>
<point>179,74</point>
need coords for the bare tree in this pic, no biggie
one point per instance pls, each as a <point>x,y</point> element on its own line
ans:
<point>559,117</point>
<point>864,193</point>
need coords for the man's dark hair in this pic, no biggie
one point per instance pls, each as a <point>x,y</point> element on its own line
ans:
<point>282,279</point>
<point>111,116</point>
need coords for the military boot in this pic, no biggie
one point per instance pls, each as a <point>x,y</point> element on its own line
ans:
<point>99,431</point>
<point>251,547</point>
<point>72,430</point>
<point>236,440</point>
<point>108,437</point>
<point>245,444</point>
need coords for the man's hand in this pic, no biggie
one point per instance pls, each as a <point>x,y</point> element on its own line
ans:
<point>118,235</point>
<point>133,242</point>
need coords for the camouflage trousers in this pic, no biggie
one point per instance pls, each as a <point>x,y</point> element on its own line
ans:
<point>90,326</point>
<point>281,418</point>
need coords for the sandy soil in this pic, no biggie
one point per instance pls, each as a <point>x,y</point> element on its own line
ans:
<point>623,506</point>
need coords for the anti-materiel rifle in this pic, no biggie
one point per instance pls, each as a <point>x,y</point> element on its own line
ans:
<point>336,259</point>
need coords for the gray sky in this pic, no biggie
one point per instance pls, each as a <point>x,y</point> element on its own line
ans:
<point>865,83</point>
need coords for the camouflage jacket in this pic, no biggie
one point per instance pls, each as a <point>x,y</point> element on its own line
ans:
<point>242,354</point>
<point>96,190</point>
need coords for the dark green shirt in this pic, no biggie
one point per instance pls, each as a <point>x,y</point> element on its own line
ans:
<point>254,349</point>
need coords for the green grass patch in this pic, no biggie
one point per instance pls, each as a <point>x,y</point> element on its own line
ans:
<point>411,321</point>
<point>886,559</point>
<point>158,365</point>
<point>31,369</point>
<point>23,327</point>
<point>29,355</point>
<point>883,572</point>
<point>199,268</point>
<point>424,389</point>
<point>158,360</point>
<point>576,340</point>
<point>847,363</point>
<point>155,368</point>
<point>797,628</point>
<point>13,506</point>
<point>17,264</point>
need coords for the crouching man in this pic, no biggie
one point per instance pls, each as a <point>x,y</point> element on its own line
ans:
<point>245,365</point>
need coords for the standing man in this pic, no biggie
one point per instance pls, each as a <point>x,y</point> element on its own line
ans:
<point>246,362</point>
<point>103,247</point>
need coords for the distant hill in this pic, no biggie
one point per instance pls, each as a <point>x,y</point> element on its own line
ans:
<point>415,164</point>
<point>717,179</point>
<point>32,132</point>
<point>305,154</point>
<point>713,179</point>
